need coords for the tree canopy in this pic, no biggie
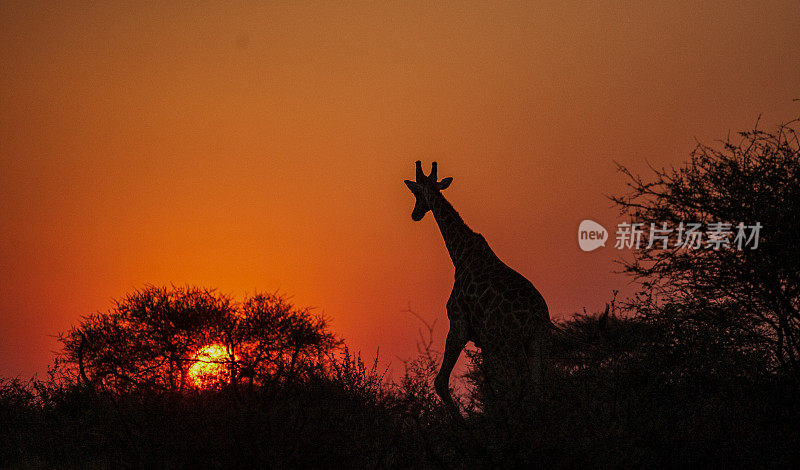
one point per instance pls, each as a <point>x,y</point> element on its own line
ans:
<point>155,337</point>
<point>749,296</point>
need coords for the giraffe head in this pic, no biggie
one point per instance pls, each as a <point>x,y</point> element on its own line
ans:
<point>424,189</point>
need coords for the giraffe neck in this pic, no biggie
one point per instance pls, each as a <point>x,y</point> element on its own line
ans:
<point>455,232</point>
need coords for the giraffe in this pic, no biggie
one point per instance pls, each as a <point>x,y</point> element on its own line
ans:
<point>491,304</point>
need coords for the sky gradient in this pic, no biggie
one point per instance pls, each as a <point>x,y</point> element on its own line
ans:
<point>262,146</point>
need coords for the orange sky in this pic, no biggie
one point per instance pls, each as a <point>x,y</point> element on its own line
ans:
<point>262,145</point>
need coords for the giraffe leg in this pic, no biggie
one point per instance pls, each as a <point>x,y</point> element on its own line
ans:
<point>456,340</point>
<point>535,353</point>
<point>538,371</point>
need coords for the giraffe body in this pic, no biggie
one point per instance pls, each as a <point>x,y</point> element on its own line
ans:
<point>492,305</point>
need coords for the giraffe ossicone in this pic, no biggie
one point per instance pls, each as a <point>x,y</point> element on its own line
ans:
<point>492,305</point>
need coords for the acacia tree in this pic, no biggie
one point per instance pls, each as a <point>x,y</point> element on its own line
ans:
<point>270,340</point>
<point>151,338</point>
<point>147,339</point>
<point>747,297</point>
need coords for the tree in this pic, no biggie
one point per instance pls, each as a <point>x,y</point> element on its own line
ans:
<point>750,297</point>
<point>152,338</point>
<point>271,341</point>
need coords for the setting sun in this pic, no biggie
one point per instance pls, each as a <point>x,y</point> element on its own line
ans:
<point>209,367</point>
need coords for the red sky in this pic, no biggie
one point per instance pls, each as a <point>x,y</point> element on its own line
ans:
<point>255,146</point>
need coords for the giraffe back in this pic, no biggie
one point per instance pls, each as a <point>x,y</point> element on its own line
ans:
<point>499,304</point>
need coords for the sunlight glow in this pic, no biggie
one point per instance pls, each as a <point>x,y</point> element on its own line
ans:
<point>210,367</point>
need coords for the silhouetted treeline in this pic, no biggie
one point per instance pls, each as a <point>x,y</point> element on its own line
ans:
<point>628,396</point>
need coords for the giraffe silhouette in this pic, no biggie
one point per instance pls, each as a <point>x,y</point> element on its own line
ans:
<point>492,305</point>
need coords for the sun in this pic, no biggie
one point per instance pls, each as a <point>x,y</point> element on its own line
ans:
<point>210,366</point>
